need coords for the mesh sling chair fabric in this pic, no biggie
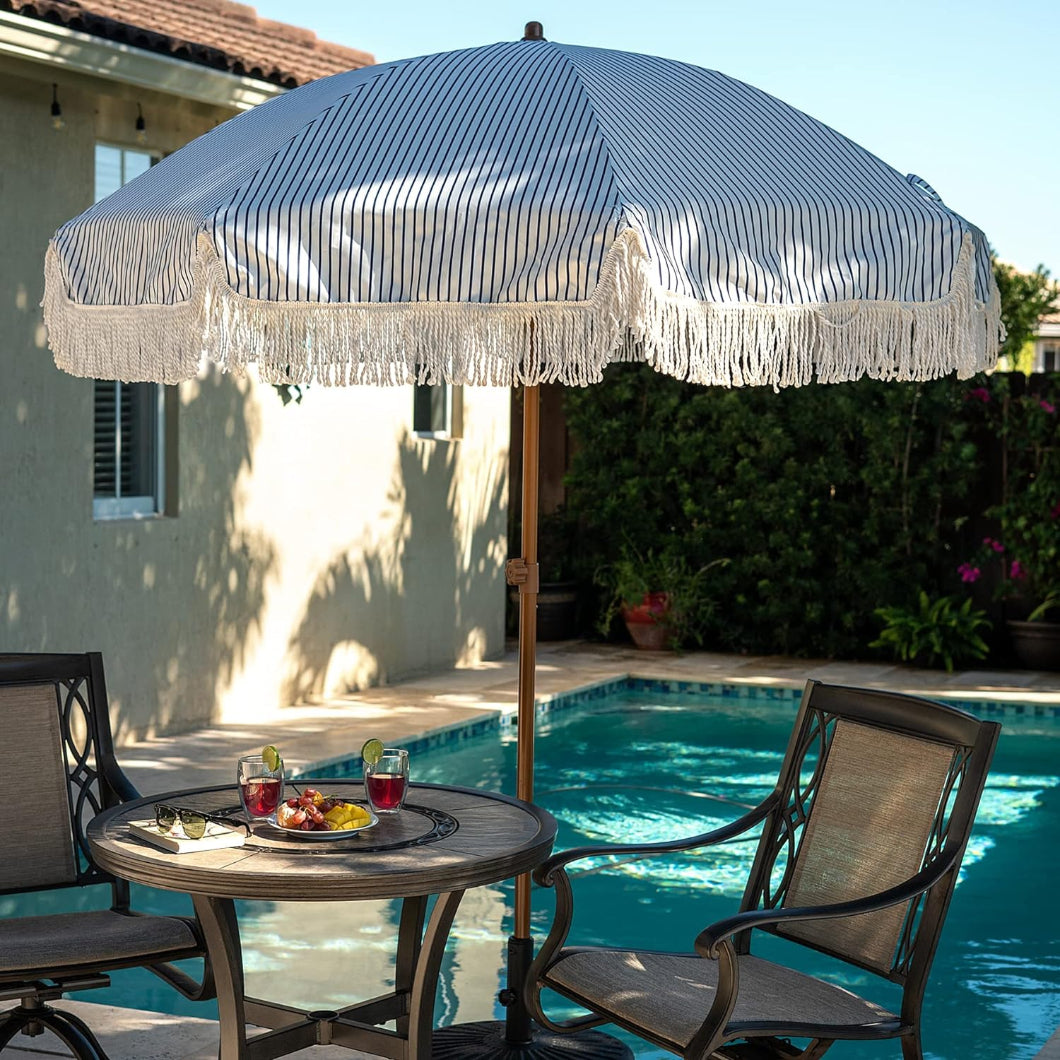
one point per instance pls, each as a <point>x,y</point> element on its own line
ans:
<point>58,756</point>
<point>861,843</point>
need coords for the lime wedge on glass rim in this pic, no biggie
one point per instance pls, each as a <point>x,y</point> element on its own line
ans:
<point>372,751</point>
<point>271,757</point>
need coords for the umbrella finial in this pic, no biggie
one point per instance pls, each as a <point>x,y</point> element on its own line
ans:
<point>534,31</point>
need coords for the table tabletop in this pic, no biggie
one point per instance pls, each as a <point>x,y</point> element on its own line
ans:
<point>444,839</point>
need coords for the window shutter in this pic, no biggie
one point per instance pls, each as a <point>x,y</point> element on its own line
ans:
<point>127,443</point>
<point>105,457</point>
<point>123,444</point>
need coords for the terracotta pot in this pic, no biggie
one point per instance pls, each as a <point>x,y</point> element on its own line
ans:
<point>1036,644</point>
<point>647,622</point>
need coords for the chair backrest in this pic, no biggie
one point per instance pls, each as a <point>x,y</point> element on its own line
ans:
<point>874,785</point>
<point>58,768</point>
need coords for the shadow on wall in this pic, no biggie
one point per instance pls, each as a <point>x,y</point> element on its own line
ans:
<point>220,569</point>
<point>173,604</point>
<point>423,601</point>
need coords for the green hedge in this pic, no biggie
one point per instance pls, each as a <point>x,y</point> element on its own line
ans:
<point>827,501</point>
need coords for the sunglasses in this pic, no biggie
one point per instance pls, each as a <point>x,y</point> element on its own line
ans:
<point>193,822</point>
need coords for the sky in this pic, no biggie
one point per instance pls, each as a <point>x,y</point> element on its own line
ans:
<point>964,93</point>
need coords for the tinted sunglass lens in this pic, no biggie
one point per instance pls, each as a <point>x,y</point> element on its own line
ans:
<point>165,817</point>
<point>194,824</point>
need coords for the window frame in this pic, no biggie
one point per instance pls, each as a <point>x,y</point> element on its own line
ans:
<point>452,427</point>
<point>138,505</point>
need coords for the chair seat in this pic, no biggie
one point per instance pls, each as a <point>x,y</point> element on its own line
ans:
<point>666,996</point>
<point>45,946</point>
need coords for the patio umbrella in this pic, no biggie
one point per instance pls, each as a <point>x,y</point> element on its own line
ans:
<point>517,214</point>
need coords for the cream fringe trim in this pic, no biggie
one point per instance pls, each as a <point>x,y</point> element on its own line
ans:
<point>628,318</point>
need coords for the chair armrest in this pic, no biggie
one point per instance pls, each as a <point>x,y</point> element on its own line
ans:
<point>123,786</point>
<point>545,872</point>
<point>708,939</point>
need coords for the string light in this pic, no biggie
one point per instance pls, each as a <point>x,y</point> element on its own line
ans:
<point>57,111</point>
<point>141,126</point>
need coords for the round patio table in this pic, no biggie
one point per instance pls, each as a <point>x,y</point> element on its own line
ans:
<point>444,841</point>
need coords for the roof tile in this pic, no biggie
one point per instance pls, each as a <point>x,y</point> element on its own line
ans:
<point>218,33</point>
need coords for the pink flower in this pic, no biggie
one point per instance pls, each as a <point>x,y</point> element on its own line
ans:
<point>1048,408</point>
<point>980,393</point>
<point>968,573</point>
<point>1016,571</point>
<point>996,545</point>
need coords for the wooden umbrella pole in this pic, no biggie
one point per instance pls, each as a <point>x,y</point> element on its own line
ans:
<point>524,776</point>
<point>523,573</point>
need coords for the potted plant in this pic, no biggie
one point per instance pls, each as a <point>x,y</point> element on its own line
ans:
<point>661,599</point>
<point>1027,547</point>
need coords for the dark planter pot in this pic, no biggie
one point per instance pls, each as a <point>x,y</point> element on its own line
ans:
<point>1036,644</point>
<point>647,623</point>
<point>557,610</point>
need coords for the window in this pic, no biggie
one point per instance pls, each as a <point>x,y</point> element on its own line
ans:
<point>1050,357</point>
<point>437,410</point>
<point>128,479</point>
<point>128,469</point>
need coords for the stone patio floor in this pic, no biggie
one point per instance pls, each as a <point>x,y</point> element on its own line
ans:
<point>308,734</point>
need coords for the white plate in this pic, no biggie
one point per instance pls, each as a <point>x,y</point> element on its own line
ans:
<point>341,833</point>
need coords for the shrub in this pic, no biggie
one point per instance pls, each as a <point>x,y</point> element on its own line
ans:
<point>943,629</point>
<point>829,501</point>
<point>1025,427</point>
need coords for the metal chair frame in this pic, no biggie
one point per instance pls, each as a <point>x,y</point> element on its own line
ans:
<point>784,815</point>
<point>95,782</point>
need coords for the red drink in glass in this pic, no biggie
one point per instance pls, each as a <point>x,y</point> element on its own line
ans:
<point>261,795</point>
<point>386,790</point>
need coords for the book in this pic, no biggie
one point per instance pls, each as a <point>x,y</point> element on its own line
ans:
<point>216,835</point>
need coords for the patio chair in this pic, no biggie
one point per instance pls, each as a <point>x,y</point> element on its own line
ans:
<point>58,770</point>
<point>861,843</point>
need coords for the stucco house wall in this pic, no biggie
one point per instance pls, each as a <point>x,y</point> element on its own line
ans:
<point>317,547</point>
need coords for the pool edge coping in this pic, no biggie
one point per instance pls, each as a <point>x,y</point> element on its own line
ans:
<point>1013,703</point>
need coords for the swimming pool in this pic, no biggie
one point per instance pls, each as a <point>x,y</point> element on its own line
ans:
<point>639,761</point>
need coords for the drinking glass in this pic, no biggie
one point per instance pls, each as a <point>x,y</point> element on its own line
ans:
<point>260,788</point>
<point>387,780</point>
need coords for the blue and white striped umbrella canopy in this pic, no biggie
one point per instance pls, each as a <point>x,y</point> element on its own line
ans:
<point>522,213</point>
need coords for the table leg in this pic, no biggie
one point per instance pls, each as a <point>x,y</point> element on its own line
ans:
<point>418,963</point>
<point>221,930</point>
<point>425,977</point>
<point>410,940</point>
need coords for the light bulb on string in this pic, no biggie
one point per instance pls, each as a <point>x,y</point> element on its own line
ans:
<point>57,111</point>
<point>141,126</point>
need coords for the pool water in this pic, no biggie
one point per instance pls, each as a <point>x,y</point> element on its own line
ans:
<point>640,765</point>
